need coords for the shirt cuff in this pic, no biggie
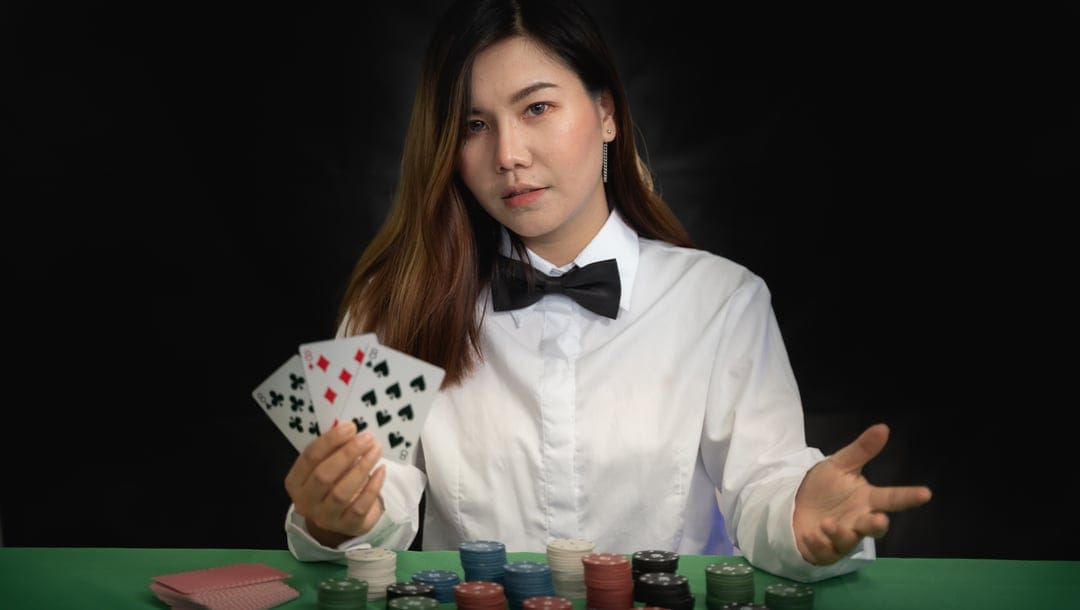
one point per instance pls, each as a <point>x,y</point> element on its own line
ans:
<point>774,548</point>
<point>396,528</point>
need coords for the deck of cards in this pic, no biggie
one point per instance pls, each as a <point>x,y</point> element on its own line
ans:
<point>240,586</point>
<point>353,379</point>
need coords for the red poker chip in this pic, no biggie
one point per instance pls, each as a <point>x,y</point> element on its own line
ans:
<point>604,559</point>
<point>547,602</point>
<point>480,595</point>
<point>606,571</point>
<point>609,599</point>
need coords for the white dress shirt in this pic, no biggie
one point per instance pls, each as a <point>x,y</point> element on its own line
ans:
<point>635,433</point>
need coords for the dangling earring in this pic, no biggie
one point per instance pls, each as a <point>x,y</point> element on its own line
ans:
<point>605,162</point>
<point>604,171</point>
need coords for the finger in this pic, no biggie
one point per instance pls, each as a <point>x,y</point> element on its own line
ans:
<point>819,547</point>
<point>874,525</point>
<point>316,451</point>
<point>333,468</point>
<point>854,456</point>
<point>341,505</point>
<point>892,499</point>
<point>353,481</point>
<point>842,539</point>
<point>361,514</point>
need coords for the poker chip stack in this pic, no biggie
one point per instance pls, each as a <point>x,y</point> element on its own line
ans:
<point>665,590</point>
<point>376,566</point>
<point>728,582</point>
<point>442,581</point>
<point>645,562</point>
<point>525,579</point>
<point>345,593</point>
<point>609,584</point>
<point>547,602</point>
<point>483,560</point>
<point>409,589</point>
<point>412,602</point>
<point>789,597</point>
<point>567,571</point>
<point>480,595</point>
<point>742,606</point>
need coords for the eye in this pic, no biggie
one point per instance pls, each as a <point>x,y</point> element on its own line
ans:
<point>537,108</point>
<point>475,126</point>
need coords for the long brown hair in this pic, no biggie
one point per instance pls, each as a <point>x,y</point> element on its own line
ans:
<point>418,282</point>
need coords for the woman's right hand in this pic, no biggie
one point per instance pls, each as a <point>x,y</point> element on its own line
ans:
<point>332,484</point>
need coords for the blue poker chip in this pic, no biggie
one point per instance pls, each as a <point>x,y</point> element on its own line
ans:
<point>527,579</point>
<point>436,577</point>
<point>442,580</point>
<point>482,546</point>
<point>482,560</point>
<point>527,567</point>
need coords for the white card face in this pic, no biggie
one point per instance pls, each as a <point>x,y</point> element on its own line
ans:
<point>391,397</point>
<point>330,368</point>
<point>284,397</point>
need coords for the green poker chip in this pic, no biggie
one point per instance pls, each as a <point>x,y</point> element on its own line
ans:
<point>789,597</point>
<point>727,583</point>
<point>340,593</point>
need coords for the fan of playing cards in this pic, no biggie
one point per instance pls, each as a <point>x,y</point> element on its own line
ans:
<point>352,378</point>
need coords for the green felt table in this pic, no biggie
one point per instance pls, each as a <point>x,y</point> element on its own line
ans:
<point>117,578</point>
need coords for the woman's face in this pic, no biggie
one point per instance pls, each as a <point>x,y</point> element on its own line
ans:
<point>533,148</point>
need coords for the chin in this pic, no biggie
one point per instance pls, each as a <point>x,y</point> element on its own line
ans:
<point>528,230</point>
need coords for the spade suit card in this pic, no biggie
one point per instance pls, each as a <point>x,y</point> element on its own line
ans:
<point>284,397</point>
<point>391,396</point>
<point>330,367</point>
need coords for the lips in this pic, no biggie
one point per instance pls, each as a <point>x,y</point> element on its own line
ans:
<point>520,189</point>
<point>522,195</point>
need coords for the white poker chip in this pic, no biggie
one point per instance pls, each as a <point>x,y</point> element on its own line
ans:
<point>564,554</point>
<point>572,545</point>
<point>377,566</point>
<point>371,554</point>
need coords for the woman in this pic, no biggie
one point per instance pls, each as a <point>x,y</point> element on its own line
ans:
<point>658,411</point>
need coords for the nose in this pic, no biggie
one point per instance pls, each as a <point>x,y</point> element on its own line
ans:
<point>512,150</point>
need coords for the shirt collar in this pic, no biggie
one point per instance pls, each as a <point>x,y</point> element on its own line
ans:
<point>614,240</point>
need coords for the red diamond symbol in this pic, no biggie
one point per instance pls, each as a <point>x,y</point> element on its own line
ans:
<point>330,395</point>
<point>323,363</point>
<point>359,356</point>
<point>345,376</point>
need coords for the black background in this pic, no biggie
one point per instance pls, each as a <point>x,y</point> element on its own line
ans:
<point>189,188</point>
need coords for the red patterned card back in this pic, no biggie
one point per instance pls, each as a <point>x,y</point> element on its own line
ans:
<point>221,577</point>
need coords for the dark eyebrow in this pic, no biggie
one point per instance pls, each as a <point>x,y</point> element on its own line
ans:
<point>531,89</point>
<point>520,95</point>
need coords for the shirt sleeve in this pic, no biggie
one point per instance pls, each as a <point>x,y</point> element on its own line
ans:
<point>753,441</point>
<point>396,529</point>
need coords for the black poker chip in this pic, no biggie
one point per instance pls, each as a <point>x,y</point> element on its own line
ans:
<point>645,561</point>
<point>409,589</point>
<point>665,590</point>
<point>412,602</point>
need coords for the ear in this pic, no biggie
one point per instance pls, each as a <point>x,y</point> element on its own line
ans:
<point>606,107</point>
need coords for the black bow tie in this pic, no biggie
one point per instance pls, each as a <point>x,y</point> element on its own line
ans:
<point>595,286</point>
